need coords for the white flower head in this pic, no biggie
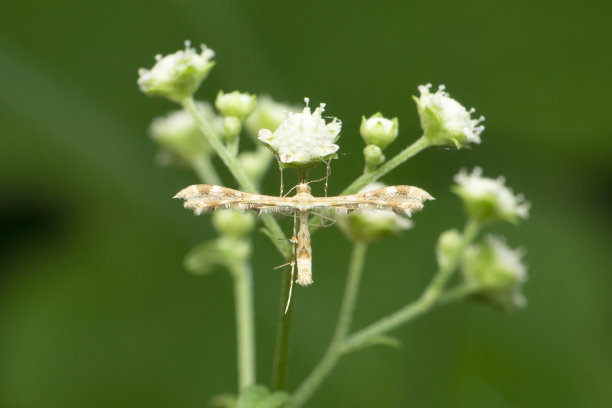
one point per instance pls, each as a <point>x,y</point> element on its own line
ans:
<point>489,199</point>
<point>303,138</point>
<point>177,76</point>
<point>371,225</point>
<point>178,133</point>
<point>444,120</point>
<point>498,270</point>
<point>378,130</point>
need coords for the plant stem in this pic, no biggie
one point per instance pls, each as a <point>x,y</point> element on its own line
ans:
<point>371,176</point>
<point>281,349</point>
<point>233,165</point>
<point>334,351</point>
<point>246,347</point>
<point>232,145</point>
<point>245,332</point>
<point>428,299</point>
<point>205,170</point>
<point>351,290</point>
<point>404,316</point>
<point>432,296</point>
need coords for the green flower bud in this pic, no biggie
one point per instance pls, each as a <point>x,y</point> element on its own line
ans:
<point>372,225</point>
<point>489,200</point>
<point>448,242</point>
<point>255,163</point>
<point>373,156</point>
<point>177,76</point>
<point>234,250</point>
<point>379,131</point>
<point>498,271</point>
<point>233,223</point>
<point>445,121</point>
<point>268,114</point>
<point>237,104</point>
<point>231,127</point>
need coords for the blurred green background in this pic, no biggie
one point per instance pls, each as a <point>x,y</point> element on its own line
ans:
<point>95,308</point>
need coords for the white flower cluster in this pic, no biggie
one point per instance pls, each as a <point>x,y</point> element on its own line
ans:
<point>177,76</point>
<point>498,270</point>
<point>489,199</point>
<point>444,120</point>
<point>178,133</point>
<point>303,138</point>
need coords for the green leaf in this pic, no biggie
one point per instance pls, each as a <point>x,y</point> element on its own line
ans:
<point>223,401</point>
<point>275,400</point>
<point>379,341</point>
<point>204,258</point>
<point>258,396</point>
<point>251,396</point>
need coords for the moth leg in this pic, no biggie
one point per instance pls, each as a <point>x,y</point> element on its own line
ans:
<point>324,217</point>
<point>290,190</point>
<point>292,262</point>
<point>280,169</point>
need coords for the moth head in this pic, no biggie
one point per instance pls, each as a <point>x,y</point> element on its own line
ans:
<point>303,188</point>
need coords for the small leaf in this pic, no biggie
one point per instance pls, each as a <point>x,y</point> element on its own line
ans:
<point>250,397</point>
<point>275,400</point>
<point>224,401</point>
<point>378,341</point>
<point>203,258</point>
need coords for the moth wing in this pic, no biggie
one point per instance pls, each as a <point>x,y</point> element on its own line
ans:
<point>403,200</point>
<point>204,198</point>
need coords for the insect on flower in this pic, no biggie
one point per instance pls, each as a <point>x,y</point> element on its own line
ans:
<point>402,200</point>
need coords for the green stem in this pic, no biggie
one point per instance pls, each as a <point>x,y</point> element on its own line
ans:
<point>371,176</point>
<point>245,332</point>
<point>334,351</point>
<point>432,296</point>
<point>404,316</point>
<point>351,291</point>
<point>232,145</point>
<point>273,230</point>
<point>281,349</point>
<point>429,298</point>
<point>205,170</point>
<point>233,165</point>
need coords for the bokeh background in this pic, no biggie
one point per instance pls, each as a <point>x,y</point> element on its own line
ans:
<point>95,307</point>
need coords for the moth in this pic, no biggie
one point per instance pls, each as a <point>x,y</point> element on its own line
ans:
<point>403,200</point>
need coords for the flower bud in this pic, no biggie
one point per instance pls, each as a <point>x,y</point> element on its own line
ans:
<point>378,131</point>
<point>268,114</point>
<point>234,250</point>
<point>445,121</point>
<point>303,139</point>
<point>177,76</point>
<point>255,163</point>
<point>498,271</point>
<point>372,225</point>
<point>177,133</point>
<point>237,104</point>
<point>373,156</point>
<point>233,223</point>
<point>231,127</point>
<point>447,246</point>
<point>489,200</point>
